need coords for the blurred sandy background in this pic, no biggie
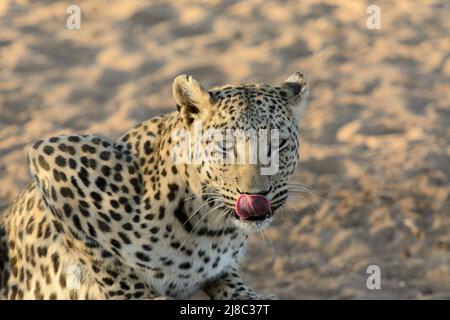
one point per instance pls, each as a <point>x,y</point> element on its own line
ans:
<point>375,139</point>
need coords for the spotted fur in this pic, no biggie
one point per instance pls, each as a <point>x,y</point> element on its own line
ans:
<point>123,220</point>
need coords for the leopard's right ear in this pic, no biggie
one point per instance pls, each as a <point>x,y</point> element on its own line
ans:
<point>294,91</point>
<point>193,101</point>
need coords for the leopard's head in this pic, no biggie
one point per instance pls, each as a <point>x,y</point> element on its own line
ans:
<point>244,144</point>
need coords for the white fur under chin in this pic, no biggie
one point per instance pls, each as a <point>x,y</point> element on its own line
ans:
<point>253,226</point>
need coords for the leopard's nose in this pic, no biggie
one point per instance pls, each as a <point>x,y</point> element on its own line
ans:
<point>248,205</point>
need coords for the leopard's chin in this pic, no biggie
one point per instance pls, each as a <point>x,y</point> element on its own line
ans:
<point>254,223</point>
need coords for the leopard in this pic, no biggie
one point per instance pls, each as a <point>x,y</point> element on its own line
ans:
<point>129,220</point>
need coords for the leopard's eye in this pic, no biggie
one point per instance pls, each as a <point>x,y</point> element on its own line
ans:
<point>283,144</point>
<point>224,146</point>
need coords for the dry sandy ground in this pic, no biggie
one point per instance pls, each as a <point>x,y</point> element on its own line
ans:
<point>375,139</point>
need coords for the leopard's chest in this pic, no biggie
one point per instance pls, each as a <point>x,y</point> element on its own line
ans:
<point>184,271</point>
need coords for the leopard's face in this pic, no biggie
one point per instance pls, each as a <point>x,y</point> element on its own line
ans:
<point>248,148</point>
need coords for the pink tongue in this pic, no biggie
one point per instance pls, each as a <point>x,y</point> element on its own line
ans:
<point>248,205</point>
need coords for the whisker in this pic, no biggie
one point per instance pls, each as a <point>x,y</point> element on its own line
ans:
<point>228,219</point>
<point>198,222</point>
<point>293,184</point>
<point>221,214</point>
<point>201,194</point>
<point>293,190</point>
<point>270,241</point>
<point>211,200</point>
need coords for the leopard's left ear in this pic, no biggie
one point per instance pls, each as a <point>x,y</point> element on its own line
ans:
<point>193,101</point>
<point>295,92</point>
